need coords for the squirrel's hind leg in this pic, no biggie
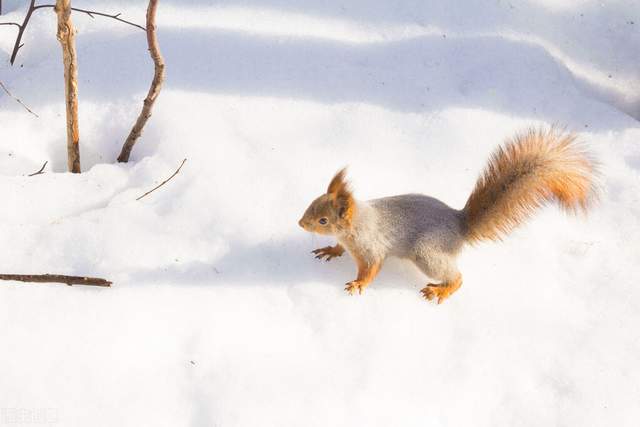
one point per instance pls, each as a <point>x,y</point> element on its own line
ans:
<point>439,267</point>
<point>442,290</point>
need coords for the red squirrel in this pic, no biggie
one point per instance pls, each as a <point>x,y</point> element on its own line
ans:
<point>528,171</point>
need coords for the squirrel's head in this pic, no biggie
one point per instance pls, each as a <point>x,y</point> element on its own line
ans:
<point>333,211</point>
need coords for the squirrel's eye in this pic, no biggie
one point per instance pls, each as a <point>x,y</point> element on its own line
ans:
<point>322,221</point>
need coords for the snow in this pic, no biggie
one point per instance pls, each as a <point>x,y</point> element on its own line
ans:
<point>219,315</point>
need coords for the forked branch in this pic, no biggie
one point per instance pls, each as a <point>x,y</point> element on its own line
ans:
<point>32,8</point>
<point>91,13</point>
<point>17,45</point>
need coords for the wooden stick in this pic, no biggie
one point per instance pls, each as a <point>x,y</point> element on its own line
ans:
<point>156,84</point>
<point>163,182</point>
<point>56,278</point>
<point>66,37</point>
<point>17,99</point>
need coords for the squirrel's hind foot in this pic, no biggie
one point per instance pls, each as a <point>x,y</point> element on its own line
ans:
<point>355,287</point>
<point>441,291</point>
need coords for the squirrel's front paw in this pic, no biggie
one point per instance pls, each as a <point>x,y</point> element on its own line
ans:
<point>355,286</point>
<point>329,252</point>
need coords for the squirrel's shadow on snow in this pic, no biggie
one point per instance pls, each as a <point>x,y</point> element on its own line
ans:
<point>278,263</point>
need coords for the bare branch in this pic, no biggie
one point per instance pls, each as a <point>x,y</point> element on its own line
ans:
<point>56,278</point>
<point>17,99</point>
<point>163,182</point>
<point>156,84</point>
<point>17,45</point>
<point>93,12</point>
<point>40,171</point>
<point>32,8</point>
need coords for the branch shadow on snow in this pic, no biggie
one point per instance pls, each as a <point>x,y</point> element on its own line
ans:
<point>424,74</point>
<point>601,36</point>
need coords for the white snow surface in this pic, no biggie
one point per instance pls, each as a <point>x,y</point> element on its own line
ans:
<point>219,315</point>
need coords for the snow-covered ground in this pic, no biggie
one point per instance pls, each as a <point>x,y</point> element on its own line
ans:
<point>219,315</point>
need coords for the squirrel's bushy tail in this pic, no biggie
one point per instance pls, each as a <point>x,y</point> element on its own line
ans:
<point>528,171</point>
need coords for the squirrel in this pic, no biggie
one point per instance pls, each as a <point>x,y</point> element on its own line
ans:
<point>531,169</point>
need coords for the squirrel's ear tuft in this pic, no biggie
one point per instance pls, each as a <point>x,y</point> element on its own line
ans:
<point>338,184</point>
<point>341,195</point>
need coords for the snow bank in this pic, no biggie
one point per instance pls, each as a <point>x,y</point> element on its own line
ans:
<point>219,315</point>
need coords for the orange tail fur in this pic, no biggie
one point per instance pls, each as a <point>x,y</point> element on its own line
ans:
<point>530,170</point>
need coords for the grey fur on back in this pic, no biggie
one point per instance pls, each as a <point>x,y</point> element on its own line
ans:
<point>411,220</point>
<point>413,226</point>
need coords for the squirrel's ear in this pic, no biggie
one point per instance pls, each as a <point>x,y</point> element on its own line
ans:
<point>338,182</point>
<point>345,205</point>
<point>341,195</point>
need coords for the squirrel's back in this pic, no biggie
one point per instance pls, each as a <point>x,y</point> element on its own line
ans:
<point>409,220</point>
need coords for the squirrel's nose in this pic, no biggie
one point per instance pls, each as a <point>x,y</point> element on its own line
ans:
<point>301,224</point>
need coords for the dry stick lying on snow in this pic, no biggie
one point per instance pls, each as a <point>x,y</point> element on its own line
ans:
<point>56,278</point>
<point>17,99</point>
<point>163,182</point>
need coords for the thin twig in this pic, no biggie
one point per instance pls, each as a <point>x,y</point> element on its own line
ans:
<point>40,171</point>
<point>163,182</point>
<point>56,278</point>
<point>17,99</point>
<point>32,8</point>
<point>93,12</point>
